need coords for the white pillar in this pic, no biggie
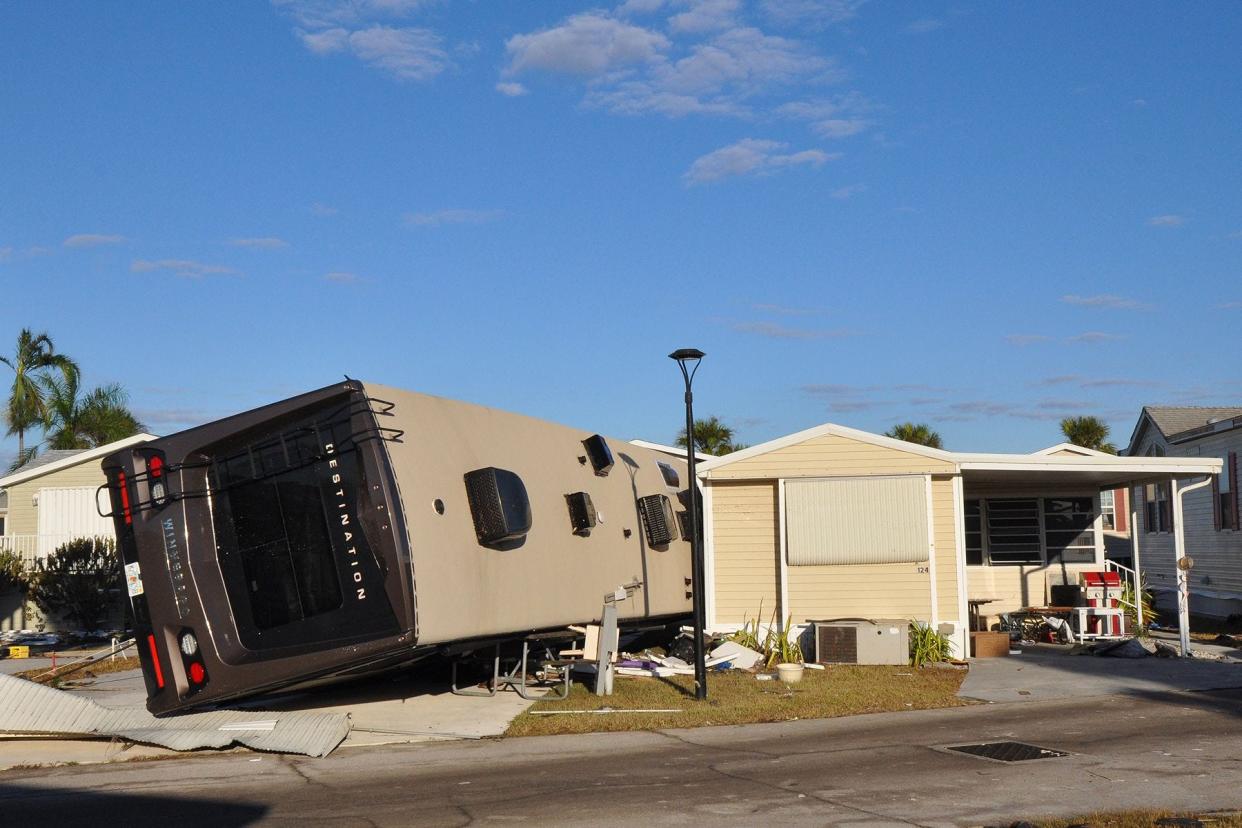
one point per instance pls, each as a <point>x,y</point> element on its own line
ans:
<point>1134,549</point>
<point>1179,548</point>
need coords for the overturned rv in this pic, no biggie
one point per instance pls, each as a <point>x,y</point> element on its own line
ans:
<point>360,526</point>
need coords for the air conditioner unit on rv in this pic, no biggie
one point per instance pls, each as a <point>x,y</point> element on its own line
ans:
<point>862,641</point>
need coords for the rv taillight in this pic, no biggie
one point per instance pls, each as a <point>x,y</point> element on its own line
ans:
<point>197,673</point>
<point>155,476</point>
<point>155,660</point>
<point>125,510</point>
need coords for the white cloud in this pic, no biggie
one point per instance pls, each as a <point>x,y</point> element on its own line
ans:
<point>1221,306</point>
<point>924,25</point>
<point>513,90</point>
<point>1168,220</point>
<point>325,41</point>
<point>750,156</point>
<point>181,267</point>
<point>404,53</point>
<point>342,277</point>
<point>633,70</point>
<point>775,331</point>
<point>640,7</point>
<point>1105,300</point>
<point>6,253</point>
<point>321,14</point>
<point>263,243</point>
<point>1094,337</point>
<point>706,16</point>
<point>848,191</point>
<point>839,117</point>
<point>437,218</point>
<point>323,210</point>
<point>786,310</point>
<point>813,13</point>
<point>1026,339</point>
<point>92,240</point>
<point>585,44</point>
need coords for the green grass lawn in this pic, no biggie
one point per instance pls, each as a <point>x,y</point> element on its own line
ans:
<point>1143,819</point>
<point>737,697</point>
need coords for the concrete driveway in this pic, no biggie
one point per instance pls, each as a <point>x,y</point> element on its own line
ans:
<point>1045,671</point>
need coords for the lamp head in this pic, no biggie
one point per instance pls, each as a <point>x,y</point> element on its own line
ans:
<point>684,354</point>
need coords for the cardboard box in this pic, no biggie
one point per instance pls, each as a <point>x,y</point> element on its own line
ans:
<point>989,644</point>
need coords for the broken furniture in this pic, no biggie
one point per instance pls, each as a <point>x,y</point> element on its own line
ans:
<point>552,672</point>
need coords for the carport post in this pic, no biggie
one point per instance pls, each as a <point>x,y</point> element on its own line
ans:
<point>1179,551</point>
<point>1134,549</point>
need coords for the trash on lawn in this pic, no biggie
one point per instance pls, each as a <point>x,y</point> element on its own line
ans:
<point>1125,648</point>
<point>743,658</point>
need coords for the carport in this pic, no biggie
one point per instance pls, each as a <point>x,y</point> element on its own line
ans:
<point>1065,482</point>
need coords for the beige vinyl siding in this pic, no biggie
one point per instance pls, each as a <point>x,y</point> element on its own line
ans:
<point>745,538</point>
<point>944,527</point>
<point>23,517</point>
<point>830,455</point>
<point>1217,555</point>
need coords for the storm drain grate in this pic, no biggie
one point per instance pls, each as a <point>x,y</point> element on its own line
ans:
<point>1008,751</point>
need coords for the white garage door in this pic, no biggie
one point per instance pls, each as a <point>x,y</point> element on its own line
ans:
<point>857,520</point>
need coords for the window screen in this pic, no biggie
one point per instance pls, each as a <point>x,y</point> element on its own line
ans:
<point>1069,529</point>
<point>856,521</point>
<point>1013,531</point>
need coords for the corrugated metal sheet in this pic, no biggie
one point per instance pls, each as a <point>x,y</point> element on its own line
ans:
<point>856,520</point>
<point>72,512</point>
<point>29,708</point>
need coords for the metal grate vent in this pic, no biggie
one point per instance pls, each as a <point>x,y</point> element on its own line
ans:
<point>1008,751</point>
<point>836,645</point>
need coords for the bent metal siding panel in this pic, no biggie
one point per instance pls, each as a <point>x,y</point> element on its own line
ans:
<point>879,520</point>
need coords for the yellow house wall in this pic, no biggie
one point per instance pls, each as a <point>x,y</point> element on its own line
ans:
<point>746,539</point>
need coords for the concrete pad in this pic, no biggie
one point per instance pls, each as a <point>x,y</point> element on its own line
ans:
<point>1048,672</point>
<point>393,709</point>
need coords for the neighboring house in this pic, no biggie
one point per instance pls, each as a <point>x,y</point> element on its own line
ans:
<point>52,500</point>
<point>833,522</point>
<point>1213,531</point>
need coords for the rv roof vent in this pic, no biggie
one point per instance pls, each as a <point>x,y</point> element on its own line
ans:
<point>657,512</point>
<point>498,504</point>
<point>599,454</point>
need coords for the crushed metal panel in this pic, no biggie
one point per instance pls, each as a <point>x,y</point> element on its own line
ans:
<point>29,708</point>
<point>1007,751</point>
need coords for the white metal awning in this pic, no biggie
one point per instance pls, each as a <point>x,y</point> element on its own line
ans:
<point>1105,472</point>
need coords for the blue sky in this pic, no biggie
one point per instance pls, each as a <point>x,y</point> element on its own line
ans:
<point>980,216</point>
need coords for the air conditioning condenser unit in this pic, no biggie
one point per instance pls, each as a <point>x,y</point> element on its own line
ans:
<point>862,641</point>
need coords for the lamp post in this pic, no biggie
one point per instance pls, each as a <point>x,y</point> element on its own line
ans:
<point>688,360</point>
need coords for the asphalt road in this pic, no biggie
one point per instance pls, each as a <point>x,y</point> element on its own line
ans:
<point>1161,750</point>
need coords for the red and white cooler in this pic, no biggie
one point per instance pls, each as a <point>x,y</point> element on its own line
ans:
<point>1103,590</point>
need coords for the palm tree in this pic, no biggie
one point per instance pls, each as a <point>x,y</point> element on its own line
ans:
<point>34,358</point>
<point>1088,432</point>
<point>711,436</point>
<point>920,433</point>
<point>76,421</point>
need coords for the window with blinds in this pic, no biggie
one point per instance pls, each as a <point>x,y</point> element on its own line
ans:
<point>1013,530</point>
<point>856,521</point>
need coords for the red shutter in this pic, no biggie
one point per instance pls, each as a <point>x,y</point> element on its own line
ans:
<point>1121,510</point>
<point>1216,501</point>
<point>1233,489</point>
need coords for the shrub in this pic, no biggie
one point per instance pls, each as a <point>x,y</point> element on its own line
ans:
<point>81,581</point>
<point>13,574</point>
<point>927,646</point>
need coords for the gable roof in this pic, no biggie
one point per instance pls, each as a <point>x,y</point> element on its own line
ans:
<point>1183,422</point>
<point>54,461</point>
<point>1070,448</point>
<point>820,431</point>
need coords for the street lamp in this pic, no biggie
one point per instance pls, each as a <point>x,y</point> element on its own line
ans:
<point>688,360</point>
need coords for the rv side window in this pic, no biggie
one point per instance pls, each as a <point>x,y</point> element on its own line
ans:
<point>671,478</point>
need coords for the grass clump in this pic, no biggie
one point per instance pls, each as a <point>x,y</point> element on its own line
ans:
<point>737,697</point>
<point>1143,819</point>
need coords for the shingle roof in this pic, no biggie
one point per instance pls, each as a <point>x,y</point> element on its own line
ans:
<point>1175,420</point>
<point>46,457</point>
